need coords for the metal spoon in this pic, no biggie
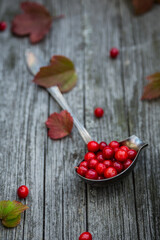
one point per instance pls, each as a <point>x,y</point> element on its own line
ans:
<point>34,62</point>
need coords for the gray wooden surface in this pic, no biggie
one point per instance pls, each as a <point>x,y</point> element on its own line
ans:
<point>60,205</point>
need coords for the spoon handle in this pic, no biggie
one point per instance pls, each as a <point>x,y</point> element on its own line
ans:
<point>57,95</point>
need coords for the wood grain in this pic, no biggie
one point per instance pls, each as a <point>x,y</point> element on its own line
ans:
<point>61,207</point>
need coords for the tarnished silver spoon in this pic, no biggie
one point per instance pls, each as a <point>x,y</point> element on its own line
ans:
<point>34,62</point>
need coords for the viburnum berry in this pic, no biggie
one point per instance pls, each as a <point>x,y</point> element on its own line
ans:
<point>81,170</point>
<point>118,166</point>
<point>108,163</point>
<point>108,153</point>
<point>98,112</point>
<point>100,177</point>
<point>124,148</point>
<point>92,163</point>
<point>121,155</point>
<point>100,168</point>
<point>85,236</point>
<point>102,145</point>
<point>127,163</point>
<point>93,146</point>
<point>100,157</point>
<point>22,191</point>
<point>114,144</point>
<point>84,164</point>
<point>91,174</point>
<point>110,172</point>
<point>114,52</point>
<point>3,26</point>
<point>89,155</point>
<point>132,154</point>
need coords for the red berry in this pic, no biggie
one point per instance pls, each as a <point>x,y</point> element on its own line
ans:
<point>3,26</point>
<point>108,153</point>
<point>100,168</point>
<point>89,155</point>
<point>98,112</point>
<point>132,154</point>
<point>22,191</point>
<point>114,52</point>
<point>84,164</point>
<point>127,163</point>
<point>85,236</point>
<point>114,144</point>
<point>118,166</point>
<point>92,163</point>
<point>115,149</point>
<point>121,155</point>
<point>102,145</point>
<point>93,146</point>
<point>108,163</point>
<point>110,172</point>
<point>100,177</point>
<point>91,174</point>
<point>81,170</point>
<point>100,157</point>
<point>125,148</point>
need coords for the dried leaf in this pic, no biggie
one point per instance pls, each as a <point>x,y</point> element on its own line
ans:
<point>60,72</point>
<point>60,124</point>
<point>10,212</point>
<point>36,21</point>
<point>152,90</point>
<point>142,6</point>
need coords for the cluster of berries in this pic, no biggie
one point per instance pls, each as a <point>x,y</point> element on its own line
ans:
<point>105,161</point>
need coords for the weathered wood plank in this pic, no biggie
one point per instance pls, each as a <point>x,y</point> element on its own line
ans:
<point>111,211</point>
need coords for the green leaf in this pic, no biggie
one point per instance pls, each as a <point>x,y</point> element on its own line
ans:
<point>60,72</point>
<point>10,212</point>
<point>152,90</point>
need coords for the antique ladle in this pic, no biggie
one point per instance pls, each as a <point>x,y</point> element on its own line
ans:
<point>34,62</point>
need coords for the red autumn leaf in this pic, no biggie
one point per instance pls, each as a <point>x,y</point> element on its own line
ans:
<point>152,89</point>
<point>36,21</point>
<point>60,72</point>
<point>142,6</point>
<point>60,124</point>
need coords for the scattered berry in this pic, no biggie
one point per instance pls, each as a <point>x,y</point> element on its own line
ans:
<point>85,236</point>
<point>110,172</point>
<point>108,163</point>
<point>93,146</point>
<point>125,148</point>
<point>98,112</point>
<point>102,145</point>
<point>22,191</point>
<point>132,154</point>
<point>118,166</point>
<point>114,144</point>
<point>91,174</point>
<point>81,170</point>
<point>100,168</point>
<point>89,155</point>
<point>92,163</point>
<point>121,155</point>
<point>3,26</point>
<point>108,153</point>
<point>114,52</point>
<point>127,163</point>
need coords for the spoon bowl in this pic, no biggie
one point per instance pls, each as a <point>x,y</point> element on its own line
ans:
<point>133,142</point>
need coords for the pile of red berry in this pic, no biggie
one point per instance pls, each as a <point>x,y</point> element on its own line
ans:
<point>105,161</point>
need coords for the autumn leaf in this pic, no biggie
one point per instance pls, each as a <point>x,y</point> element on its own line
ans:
<point>60,72</point>
<point>142,6</point>
<point>10,212</point>
<point>152,89</point>
<point>60,124</point>
<point>36,21</point>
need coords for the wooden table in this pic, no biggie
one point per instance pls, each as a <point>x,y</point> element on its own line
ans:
<point>61,206</point>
